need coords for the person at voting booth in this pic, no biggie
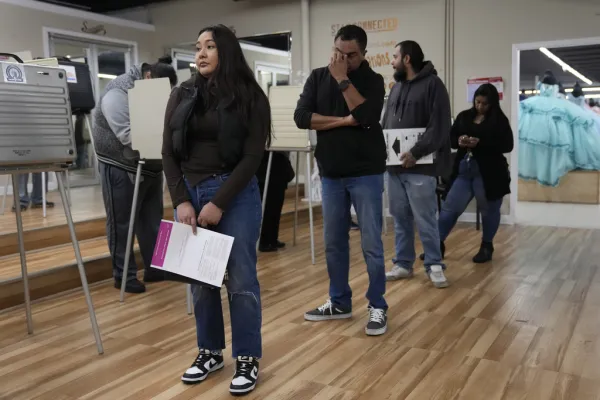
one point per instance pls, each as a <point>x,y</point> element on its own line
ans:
<point>282,173</point>
<point>419,99</point>
<point>117,165</point>
<point>217,125</point>
<point>343,103</point>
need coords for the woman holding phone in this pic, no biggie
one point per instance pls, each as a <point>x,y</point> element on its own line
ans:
<point>217,127</point>
<point>482,135</point>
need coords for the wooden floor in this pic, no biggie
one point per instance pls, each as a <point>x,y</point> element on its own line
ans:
<point>526,326</point>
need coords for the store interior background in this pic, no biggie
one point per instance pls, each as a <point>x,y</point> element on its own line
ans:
<point>577,194</point>
<point>463,38</point>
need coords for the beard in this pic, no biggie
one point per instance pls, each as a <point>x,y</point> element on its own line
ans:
<point>400,75</point>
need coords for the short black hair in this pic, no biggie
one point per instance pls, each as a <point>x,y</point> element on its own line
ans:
<point>412,49</point>
<point>162,69</point>
<point>353,32</point>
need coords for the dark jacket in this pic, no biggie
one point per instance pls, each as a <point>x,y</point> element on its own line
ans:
<point>422,103</point>
<point>495,139</point>
<point>240,145</point>
<point>348,151</point>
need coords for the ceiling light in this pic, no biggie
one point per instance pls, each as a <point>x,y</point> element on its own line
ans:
<point>192,65</point>
<point>106,76</point>
<point>564,65</point>
<point>68,56</point>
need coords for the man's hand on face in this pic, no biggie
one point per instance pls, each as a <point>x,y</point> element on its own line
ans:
<point>338,66</point>
<point>408,161</point>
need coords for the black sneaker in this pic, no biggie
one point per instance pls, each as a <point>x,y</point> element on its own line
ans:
<point>327,312</point>
<point>246,376</point>
<point>132,286</point>
<point>377,324</point>
<point>205,363</point>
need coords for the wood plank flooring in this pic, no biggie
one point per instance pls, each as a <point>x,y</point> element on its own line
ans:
<point>526,326</point>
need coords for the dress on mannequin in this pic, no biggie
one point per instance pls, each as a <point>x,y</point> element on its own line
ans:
<point>555,137</point>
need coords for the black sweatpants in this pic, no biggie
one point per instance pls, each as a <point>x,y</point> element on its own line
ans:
<point>275,199</point>
<point>117,191</point>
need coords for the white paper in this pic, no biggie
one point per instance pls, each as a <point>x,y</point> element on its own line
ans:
<point>202,257</point>
<point>399,141</point>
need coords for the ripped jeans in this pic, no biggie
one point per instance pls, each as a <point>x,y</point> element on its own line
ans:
<point>241,220</point>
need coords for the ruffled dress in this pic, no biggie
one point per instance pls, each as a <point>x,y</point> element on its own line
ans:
<point>555,137</point>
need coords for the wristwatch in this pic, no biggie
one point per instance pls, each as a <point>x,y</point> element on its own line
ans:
<point>343,85</point>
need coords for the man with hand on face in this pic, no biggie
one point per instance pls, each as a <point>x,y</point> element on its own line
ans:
<point>343,103</point>
<point>419,99</point>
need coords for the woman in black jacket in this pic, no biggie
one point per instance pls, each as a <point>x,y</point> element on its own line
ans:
<point>482,136</point>
<point>217,126</point>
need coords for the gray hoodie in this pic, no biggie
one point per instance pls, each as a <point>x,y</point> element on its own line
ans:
<point>111,129</point>
<point>422,103</point>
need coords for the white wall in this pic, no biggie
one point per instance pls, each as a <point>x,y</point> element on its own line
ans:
<point>419,20</point>
<point>21,29</point>
<point>179,22</point>
<point>485,31</point>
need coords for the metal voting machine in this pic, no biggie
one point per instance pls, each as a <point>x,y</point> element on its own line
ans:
<point>147,106</point>
<point>35,116</point>
<point>37,135</point>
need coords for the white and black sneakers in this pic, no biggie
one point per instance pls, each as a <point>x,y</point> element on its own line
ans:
<point>246,376</point>
<point>205,363</point>
<point>246,371</point>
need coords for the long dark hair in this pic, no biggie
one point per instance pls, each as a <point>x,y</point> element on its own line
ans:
<point>490,92</point>
<point>234,81</point>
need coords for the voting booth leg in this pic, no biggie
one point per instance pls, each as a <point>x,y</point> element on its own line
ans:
<point>88,126</point>
<point>136,191</point>
<point>264,196</point>
<point>189,299</point>
<point>5,194</point>
<point>297,194</point>
<point>310,208</point>
<point>15,182</point>
<point>60,177</point>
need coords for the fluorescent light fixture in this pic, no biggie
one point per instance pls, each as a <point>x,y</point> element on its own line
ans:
<point>192,65</point>
<point>564,65</point>
<point>592,96</point>
<point>106,76</point>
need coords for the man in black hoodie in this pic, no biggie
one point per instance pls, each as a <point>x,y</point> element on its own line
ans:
<point>343,103</point>
<point>418,100</point>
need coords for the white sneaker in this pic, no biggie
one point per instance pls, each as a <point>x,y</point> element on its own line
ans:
<point>436,274</point>
<point>398,273</point>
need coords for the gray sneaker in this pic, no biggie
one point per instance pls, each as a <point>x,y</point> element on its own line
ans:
<point>398,273</point>
<point>436,274</point>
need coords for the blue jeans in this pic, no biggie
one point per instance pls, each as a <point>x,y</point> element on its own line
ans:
<point>467,185</point>
<point>413,200</point>
<point>241,220</point>
<point>36,193</point>
<point>365,193</point>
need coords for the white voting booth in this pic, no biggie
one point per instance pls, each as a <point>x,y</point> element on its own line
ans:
<point>147,106</point>
<point>288,138</point>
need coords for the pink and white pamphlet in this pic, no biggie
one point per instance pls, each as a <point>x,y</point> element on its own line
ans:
<point>202,257</point>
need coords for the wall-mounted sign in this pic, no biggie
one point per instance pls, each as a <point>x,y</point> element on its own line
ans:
<point>474,83</point>
<point>371,25</point>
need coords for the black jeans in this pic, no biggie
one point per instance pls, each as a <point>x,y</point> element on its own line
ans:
<point>117,191</point>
